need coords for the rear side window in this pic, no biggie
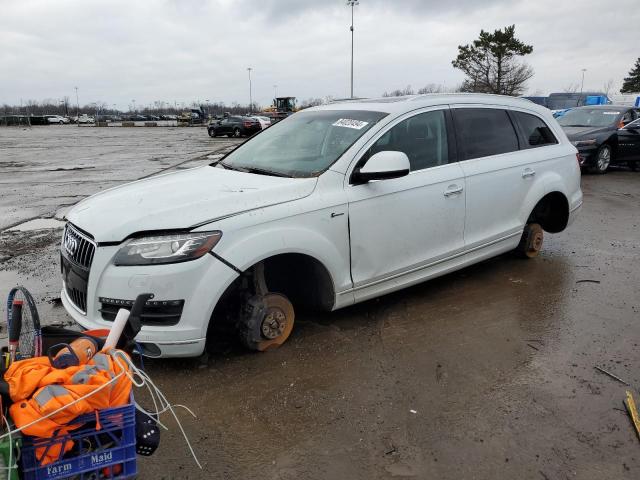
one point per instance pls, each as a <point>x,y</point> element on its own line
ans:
<point>536,133</point>
<point>482,132</point>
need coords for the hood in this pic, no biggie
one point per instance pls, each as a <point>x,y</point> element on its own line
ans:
<point>182,200</point>
<point>578,133</point>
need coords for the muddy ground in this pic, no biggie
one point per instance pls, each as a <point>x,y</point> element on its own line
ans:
<point>486,373</point>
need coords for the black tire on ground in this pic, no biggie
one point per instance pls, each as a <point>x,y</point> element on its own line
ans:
<point>212,132</point>
<point>603,159</point>
<point>266,322</point>
<point>236,132</point>
<point>531,241</point>
<point>61,122</point>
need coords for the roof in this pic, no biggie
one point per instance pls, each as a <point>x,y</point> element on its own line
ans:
<point>605,107</point>
<point>403,104</point>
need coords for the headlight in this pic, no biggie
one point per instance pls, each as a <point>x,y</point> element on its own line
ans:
<point>584,143</point>
<point>160,249</point>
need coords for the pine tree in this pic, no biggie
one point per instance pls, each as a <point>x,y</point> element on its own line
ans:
<point>491,63</point>
<point>631,83</point>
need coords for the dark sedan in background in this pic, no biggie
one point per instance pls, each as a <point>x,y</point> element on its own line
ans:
<point>604,135</point>
<point>234,127</point>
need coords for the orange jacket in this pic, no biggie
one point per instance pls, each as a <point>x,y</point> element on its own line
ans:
<point>37,389</point>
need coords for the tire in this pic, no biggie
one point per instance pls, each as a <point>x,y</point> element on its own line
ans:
<point>61,122</point>
<point>212,132</point>
<point>531,241</point>
<point>236,132</point>
<point>603,160</point>
<point>266,322</point>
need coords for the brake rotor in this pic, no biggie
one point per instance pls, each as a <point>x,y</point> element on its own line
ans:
<point>535,238</point>
<point>267,321</point>
<point>277,322</point>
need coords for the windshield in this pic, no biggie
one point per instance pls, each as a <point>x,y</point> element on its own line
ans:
<point>586,117</point>
<point>304,144</point>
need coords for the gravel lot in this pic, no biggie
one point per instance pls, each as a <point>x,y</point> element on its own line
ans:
<point>486,373</point>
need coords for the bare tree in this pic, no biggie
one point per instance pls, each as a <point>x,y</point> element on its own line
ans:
<point>571,88</point>
<point>607,86</point>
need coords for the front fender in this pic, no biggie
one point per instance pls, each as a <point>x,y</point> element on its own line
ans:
<point>328,245</point>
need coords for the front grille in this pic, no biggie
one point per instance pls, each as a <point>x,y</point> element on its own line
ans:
<point>76,256</point>
<point>77,297</point>
<point>78,247</point>
<point>155,312</point>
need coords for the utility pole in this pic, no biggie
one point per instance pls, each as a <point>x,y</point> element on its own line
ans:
<point>582,84</point>
<point>275,91</point>
<point>134,106</point>
<point>352,4</point>
<point>250,94</point>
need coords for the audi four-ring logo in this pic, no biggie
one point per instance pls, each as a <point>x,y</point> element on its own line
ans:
<point>70,244</point>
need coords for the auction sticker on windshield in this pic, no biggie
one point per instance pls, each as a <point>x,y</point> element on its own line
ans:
<point>350,123</point>
<point>611,113</point>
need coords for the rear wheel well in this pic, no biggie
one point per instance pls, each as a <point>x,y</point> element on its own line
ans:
<point>551,212</point>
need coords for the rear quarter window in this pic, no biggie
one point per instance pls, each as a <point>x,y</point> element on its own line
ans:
<point>482,132</point>
<point>535,131</point>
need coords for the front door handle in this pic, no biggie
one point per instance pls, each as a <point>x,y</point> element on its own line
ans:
<point>452,190</point>
<point>528,172</point>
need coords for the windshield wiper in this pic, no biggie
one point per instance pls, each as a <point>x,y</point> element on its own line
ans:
<point>230,167</point>
<point>263,171</point>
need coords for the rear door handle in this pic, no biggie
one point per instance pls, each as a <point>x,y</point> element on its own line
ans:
<point>452,190</point>
<point>528,172</point>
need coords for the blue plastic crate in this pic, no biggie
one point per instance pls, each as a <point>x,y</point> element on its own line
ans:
<point>108,453</point>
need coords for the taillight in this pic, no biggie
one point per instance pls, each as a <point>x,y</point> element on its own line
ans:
<point>247,124</point>
<point>579,159</point>
<point>621,124</point>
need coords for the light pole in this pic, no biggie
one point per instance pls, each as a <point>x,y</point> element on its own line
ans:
<point>250,95</point>
<point>134,106</point>
<point>582,84</point>
<point>352,3</point>
<point>275,91</point>
<point>77,105</point>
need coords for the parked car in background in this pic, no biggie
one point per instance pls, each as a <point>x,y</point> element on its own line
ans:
<point>138,118</point>
<point>57,119</point>
<point>329,207</point>
<point>234,127</point>
<point>565,100</point>
<point>84,118</point>
<point>600,135</point>
<point>264,121</point>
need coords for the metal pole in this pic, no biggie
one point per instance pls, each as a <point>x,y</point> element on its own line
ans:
<point>77,106</point>
<point>275,91</point>
<point>352,4</point>
<point>582,84</point>
<point>250,95</point>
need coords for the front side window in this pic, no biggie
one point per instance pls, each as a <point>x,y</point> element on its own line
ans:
<point>304,144</point>
<point>482,132</point>
<point>536,132</point>
<point>423,138</point>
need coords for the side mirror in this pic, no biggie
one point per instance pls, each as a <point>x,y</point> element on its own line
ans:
<point>383,166</point>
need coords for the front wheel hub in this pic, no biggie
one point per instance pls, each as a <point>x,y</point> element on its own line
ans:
<point>274,323</point>
<point>267,321</point>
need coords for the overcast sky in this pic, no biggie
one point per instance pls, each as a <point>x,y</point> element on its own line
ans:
<point>185,50</point>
